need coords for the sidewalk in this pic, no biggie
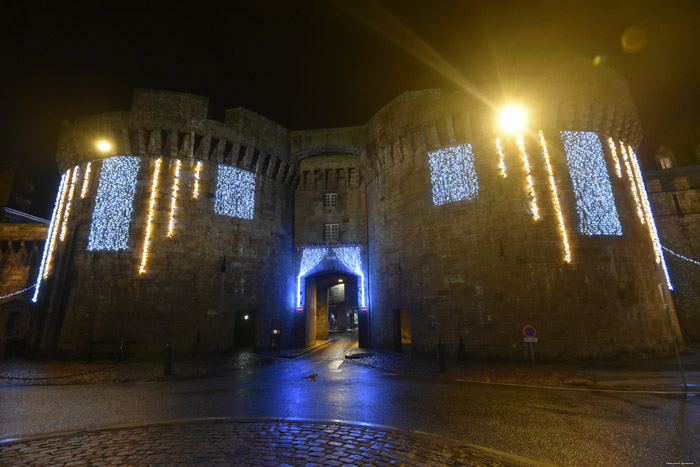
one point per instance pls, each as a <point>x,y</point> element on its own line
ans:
<point>657,374</point>
<point>250,443</point>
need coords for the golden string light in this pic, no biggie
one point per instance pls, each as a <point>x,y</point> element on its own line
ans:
<point>616,160</point>
<point>86,182</point>
<point>151,210</point>
<point>555,199</point>
<point>501,158</point>
<point>74,179</point>
<point>529,185</point>
<point>197,171</point>
<point>52,242</point>
<point>173,198</point>
<point>633,185</point>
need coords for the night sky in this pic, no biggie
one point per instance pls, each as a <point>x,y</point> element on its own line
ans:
<point>316,64</point>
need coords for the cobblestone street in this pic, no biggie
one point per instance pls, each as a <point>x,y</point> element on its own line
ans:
<point>226,442</point>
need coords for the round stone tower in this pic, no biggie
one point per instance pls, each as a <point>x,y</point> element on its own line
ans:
<point>169,227</point>
<point>475,232</point>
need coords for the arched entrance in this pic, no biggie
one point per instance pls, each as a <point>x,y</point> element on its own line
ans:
<point>331,293</point>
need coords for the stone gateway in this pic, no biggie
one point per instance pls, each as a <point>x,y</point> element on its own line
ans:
<point>431,222</point>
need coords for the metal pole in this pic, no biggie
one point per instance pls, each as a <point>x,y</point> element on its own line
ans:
<point>532,353</point>
<point>673,337</point>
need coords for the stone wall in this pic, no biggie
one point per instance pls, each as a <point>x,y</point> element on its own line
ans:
<point>675,198</point>
<point>212,267</point>
<point>482,269</point>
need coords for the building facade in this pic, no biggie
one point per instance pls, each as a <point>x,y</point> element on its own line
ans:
<point>434,222</point>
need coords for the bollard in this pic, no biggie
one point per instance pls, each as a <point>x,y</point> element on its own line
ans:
<point>168,359</point>
<point>440,345</point>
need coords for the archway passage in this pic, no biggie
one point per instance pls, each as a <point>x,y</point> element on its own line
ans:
<point>332,307</point>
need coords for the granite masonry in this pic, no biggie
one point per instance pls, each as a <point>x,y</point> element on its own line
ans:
<point>440,226</point>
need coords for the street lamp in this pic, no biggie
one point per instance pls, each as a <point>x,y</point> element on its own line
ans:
<point>103,146</point>
<point>512,119</point>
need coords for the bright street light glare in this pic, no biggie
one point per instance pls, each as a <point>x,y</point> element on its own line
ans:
<point>512,119</point>
<point>104,146</point>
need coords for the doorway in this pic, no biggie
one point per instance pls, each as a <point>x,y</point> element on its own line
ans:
<point>402,329</point>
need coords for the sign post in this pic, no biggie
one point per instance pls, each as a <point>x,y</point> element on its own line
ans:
<point>530,332</point>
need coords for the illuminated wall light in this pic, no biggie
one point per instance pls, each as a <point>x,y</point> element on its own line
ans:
<point>653,233</point>
<point>173,198</point>
<point>235,192</point>
<point>633,185</point>
<point>151,212</point>
<point>310,257</point>
<point>197,171</point>
<point>86,181</point>
<point>453,174</point>
<point>529,185</point>
<point>51,237</point>
<point>616,160</point>
<point>74,179</point>
<point>351,257</point>
<point>501,158</point>
<point>595,202</point>
<point>114,204</point>
<point>690,260</point>
<point>555,199</point>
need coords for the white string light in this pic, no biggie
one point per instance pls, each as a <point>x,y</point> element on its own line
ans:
<point>114,204</point>
<point>48,246</point>
<point>501,158</point>
<point>453,174</point>
<point>351,257</point>
<point>595,202</point>
<point>529,184</point>
<point>74,179</point>
<point>173,198</point>
<point>310,257</point>
<point>86,181</point>
<point>197,170</point>
<point>616,160</point>
<point>633,184</point>
<point>151,213</point>
<point>235,192</point>
<point>12,294</point>
<point>681,256</point>
<point>555,199</point>
<point>656,243</point>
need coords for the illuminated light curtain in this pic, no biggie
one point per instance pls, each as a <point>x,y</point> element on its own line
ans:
<point>616,160</point>
<point>86,181</point>
<point>633,186</point>
<point>453,174</point>
<point>74,179</point>
<point>151,214</point>
<point>555,199</point>
<point>51,237</point>
<point>658,253</point>
<point>173,198</point>
<point>351,257</point>
<point>235,192</point>
<point>501,158</point>
<point>114,204</point>
<point>529,184</point>
<point>310,257</point>
<point>197,172</point>
<point>595,202</point>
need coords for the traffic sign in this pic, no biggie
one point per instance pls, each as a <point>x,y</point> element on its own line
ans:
<point>529,331</point>
<point>530,339</point>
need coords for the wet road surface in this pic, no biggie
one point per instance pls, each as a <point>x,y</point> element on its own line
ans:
<point>550,425</point>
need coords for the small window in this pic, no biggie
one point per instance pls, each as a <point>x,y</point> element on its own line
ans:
<point>665,162</point>
<point>330,199</point>
<point>330,232</point>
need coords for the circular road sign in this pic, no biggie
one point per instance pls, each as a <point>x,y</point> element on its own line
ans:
<point>529,331</point>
